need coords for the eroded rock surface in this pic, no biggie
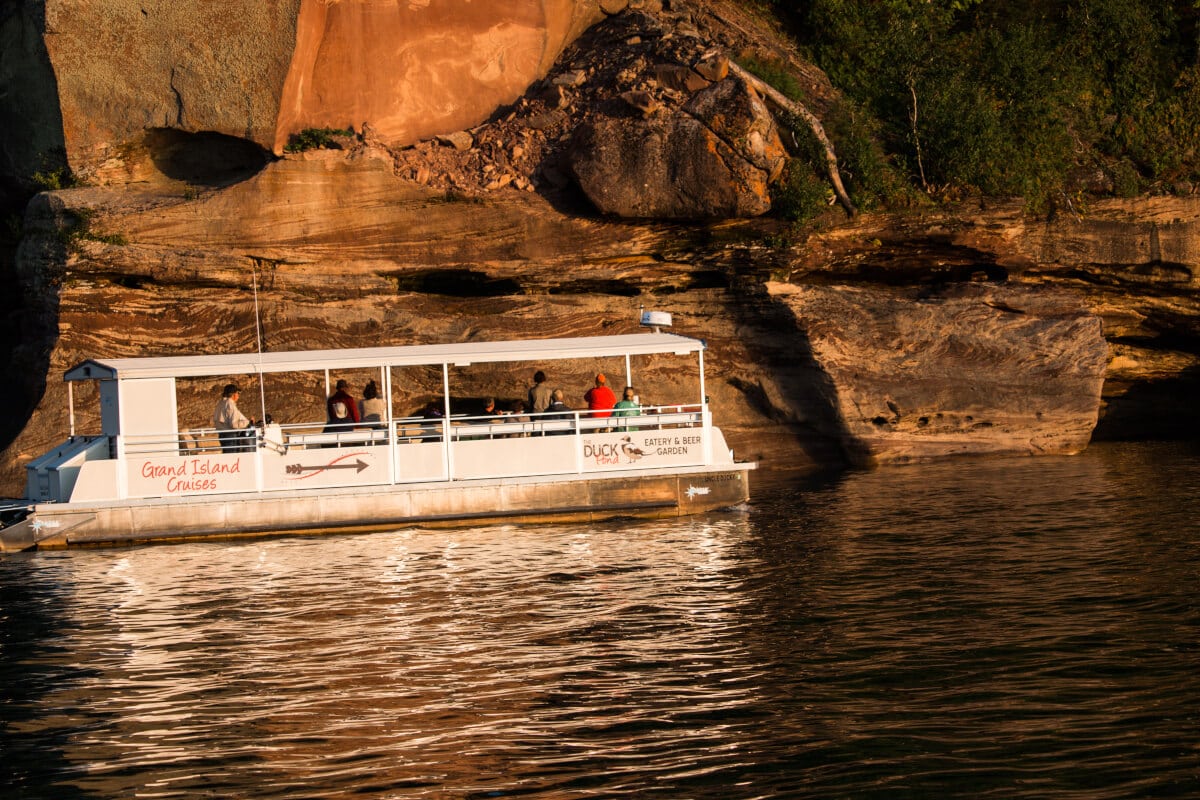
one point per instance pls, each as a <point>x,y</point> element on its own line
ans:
<point>110,71</point>
<point>123,67</point>
<point>972,369</point>
<point>714,157</point>
<point>415,69</point>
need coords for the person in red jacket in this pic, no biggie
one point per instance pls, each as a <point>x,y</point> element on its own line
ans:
<point>341,409</point>
<point>600,398</point>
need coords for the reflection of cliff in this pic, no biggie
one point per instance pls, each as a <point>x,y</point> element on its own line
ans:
<point>415,69</point>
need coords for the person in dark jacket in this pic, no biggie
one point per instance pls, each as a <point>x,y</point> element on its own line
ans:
<point>341,409</point>
<point>558,409</point>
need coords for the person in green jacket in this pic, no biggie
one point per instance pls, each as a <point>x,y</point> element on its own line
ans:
<point>627,407</point>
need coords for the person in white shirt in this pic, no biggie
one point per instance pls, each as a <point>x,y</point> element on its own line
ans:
<point>231,423</point>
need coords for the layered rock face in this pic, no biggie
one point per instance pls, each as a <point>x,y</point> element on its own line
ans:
<point>125,66</point>
<point>1131,263</point>
<point>969,369</point>
<point>338,251</point>
<point>262,71</point>
<point>415,69</point>
<point>322,237</point>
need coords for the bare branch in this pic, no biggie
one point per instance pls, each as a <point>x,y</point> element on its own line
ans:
<point>772,95</point>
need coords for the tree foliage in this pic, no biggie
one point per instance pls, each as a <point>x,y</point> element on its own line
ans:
<point>1018,97</point>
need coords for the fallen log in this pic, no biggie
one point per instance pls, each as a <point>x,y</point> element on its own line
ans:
<point>774,96</point>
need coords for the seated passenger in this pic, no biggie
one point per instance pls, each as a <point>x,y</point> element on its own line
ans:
<point>341,410</point>
<point>433,413</point>
<point>489,415</point>
<point>557,410</point>
<point>517,414</point>
<point>627,407</point>
<point>371,409</point>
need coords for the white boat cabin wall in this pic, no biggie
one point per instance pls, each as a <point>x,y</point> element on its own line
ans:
<point>142,452</point>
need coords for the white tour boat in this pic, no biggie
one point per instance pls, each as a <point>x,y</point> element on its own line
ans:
<point>144,478</point>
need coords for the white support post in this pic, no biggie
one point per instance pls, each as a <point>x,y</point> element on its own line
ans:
<point>262,396</point>
<point>71,407</point>
<point>628,374</point>
<point>118,448</point>
<point>449,451</point>
<point>258,466</point>
<point>578,445</point>
<point>705,418</point>
<point>385,374</point>
<point>262,389</point>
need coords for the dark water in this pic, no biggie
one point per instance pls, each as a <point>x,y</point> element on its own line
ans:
<point>1011,629</point>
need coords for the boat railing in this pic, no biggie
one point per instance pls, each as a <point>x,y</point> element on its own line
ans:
<point>505,425</point>
<point>414,429</point>
<point>411,430</point>
<point>198,441</point>
<point>189,442</point>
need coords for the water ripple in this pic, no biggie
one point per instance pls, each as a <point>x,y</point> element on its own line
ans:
<point>1014,629</point>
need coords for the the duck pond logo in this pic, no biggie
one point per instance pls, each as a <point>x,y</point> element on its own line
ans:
<point>657,446</point>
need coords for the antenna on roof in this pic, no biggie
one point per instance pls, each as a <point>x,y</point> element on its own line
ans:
<point>656,319</point>
<point>262,392</point>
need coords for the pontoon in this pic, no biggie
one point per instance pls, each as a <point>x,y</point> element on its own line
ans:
<point>145,478</point>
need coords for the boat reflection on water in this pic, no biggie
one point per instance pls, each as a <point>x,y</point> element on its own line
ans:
<point>417,657</point>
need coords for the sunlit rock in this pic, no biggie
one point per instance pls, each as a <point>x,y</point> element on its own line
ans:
<point>712,158</point>
<point>972,369</point>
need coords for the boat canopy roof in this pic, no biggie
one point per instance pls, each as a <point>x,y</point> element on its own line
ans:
<point>459,354</point>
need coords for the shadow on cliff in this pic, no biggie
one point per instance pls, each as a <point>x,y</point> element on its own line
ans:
<point>1163,410</point>
<point>808,411</point>
<point>14,410</point>
<point>43,249</point>
<point>204,159</point>
<point>31,124</point>
<point>32,155</point>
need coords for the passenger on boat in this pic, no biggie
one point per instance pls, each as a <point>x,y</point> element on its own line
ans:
<point>488,415</point>
<point>233,428</point>
<point>518,415</point>
<point>371,409</point>
<point>558,410</point>
<point>627,407</point>
<point>433,414</point>
<point>539,393</point>
<point>600,400</point>
<point>341,410</point>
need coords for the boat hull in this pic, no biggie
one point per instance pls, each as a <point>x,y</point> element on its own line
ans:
<point>638,494</point>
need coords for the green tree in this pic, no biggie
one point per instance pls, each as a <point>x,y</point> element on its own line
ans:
<point>1008,98</point>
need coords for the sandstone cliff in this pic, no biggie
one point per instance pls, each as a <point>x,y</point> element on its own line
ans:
<point>956,329</point>
<point>104,73</point>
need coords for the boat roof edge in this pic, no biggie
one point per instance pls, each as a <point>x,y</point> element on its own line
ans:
<point>455,354</point>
